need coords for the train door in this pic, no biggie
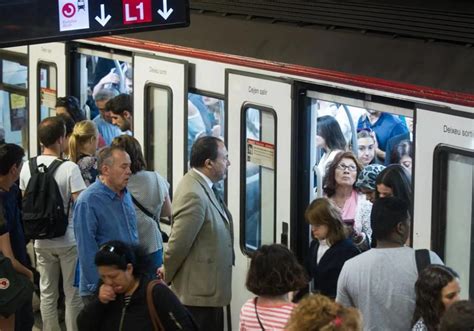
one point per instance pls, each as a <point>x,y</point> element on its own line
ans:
<point>444,190</point>
<point>160,101</point>
<point>330,119</point>
<point>47,81</point>
<point>259,191</point>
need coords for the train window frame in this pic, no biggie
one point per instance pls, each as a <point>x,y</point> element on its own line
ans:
<point>243,174</point>
<point>149,127</point>
<point>22,60</point>
<point>439,202</point>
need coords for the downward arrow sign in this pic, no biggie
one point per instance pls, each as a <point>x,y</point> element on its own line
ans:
<point>165,13</point>
<point>102,20</point>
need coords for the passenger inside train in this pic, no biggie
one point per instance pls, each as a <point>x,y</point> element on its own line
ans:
<point>131,165</point>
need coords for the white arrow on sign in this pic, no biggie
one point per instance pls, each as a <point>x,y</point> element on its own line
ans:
<point>165,13</point>
<point>102,20</point>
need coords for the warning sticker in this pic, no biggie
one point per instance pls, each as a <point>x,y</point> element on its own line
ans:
<point>261,153</point>
<point>73,15</point>
<point>48,98</point>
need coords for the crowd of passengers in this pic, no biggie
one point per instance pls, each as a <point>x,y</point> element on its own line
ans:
<point>115,275</point>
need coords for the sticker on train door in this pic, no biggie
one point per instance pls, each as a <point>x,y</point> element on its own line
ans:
<point>261,153</point>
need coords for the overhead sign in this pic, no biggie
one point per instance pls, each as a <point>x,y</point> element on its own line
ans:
<point>36,21</point>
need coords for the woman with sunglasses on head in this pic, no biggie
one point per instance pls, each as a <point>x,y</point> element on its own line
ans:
<point>126,300</point>
<point>437,288</point>
<point>330,139</point>
<point>366,147</point>
<point>339,186</point>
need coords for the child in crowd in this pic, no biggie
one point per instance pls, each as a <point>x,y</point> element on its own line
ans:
<point>274,272</point>
<point>319,313</point>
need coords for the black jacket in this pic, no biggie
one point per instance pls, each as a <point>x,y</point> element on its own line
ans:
<point>326,272</point>
<point>97,316</point>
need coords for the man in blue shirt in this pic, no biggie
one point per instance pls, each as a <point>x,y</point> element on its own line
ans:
<point>384,125</point>
<point>104,212</point>
<point>104,120</point>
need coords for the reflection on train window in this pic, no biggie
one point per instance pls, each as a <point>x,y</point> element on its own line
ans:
<point>14,101</point>
<point>111,72</point>
<point>258,200</point>
<point>458,219</point>
<point>47,90</point>
<point>205,118</point>
<point>158,120</point>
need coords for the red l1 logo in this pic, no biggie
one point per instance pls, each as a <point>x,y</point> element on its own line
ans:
<point>136,11</point>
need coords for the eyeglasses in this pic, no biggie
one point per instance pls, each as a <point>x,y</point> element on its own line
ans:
<point>343,167</point>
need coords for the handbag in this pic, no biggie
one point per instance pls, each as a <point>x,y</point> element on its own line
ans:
<point>15,288</point>
<point>155,319</point>
<point>145,211</point>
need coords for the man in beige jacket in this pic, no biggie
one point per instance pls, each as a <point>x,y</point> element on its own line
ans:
<point>198,261</point>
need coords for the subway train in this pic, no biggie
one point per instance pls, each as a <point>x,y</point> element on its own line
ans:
<point>264,95</point>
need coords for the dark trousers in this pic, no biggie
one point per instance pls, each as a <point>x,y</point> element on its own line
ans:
<point>208,318</point>
<point>24,317</point>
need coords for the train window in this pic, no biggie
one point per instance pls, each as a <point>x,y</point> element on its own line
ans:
<point>47,77</point>
<point>14,101</point>
<point>158,124</point>
<point>453,217</point>
<point>206,117</point>
<point>258,177</point>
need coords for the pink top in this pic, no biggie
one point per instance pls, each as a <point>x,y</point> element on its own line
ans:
<point>350,207</point>
<point>273,317</point>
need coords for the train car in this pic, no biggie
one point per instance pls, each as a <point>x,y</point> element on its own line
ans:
<point>264,96</point>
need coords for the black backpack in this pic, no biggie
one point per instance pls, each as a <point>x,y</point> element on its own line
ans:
<point>43,206</point>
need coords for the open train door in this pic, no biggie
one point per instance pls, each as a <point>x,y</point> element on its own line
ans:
<point>260,183</point>
<point>47,82</point>
<point>444,188</point>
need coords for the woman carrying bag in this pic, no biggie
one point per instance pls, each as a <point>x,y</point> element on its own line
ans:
<point>127,299</point>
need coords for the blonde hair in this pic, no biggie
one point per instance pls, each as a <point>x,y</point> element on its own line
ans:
<point>83,132</point>
<point>319,313</point>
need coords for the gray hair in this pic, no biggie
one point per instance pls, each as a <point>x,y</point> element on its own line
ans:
<point>106,94</point>
<point>105,156</point>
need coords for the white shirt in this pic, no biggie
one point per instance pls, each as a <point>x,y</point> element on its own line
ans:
<point>323,247</point>
<point>69,180</point>
<point>208,181</point>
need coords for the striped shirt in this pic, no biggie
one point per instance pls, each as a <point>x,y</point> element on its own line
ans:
<point>273,317</point>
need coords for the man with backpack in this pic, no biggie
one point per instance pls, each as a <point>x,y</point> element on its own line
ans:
<point>50,186</point>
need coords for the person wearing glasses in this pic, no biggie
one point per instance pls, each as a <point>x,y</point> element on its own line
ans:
<point>121,302</point>
<point>339,186</point>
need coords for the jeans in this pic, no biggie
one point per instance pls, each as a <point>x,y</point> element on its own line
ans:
<point>51,261</point>
<point>155,261</point>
